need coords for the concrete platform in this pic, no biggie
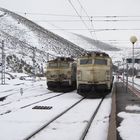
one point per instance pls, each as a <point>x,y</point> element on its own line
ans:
<point>120,99</point>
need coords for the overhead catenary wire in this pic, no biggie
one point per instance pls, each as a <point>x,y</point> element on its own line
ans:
<point>73,20</point>
<point>89,18</point>
<point>112,18</point>
<point>97,30</point>
<point>65,15</point>
<point>80,17</point>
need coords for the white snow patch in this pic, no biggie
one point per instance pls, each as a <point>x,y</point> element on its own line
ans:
<point>133,107</point>
<point>130,126</point>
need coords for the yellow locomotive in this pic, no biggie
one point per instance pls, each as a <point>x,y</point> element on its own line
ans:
<point>94,74</point>
<point>61,74</point>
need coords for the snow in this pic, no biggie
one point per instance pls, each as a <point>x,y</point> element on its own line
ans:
<point>101,122</point>
<point>130,126</point>
<point>75,119</point>
<point>133,107</point>
<point>18,119</point>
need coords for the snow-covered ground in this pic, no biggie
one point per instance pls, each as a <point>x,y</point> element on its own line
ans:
<point>18,119</point>
<point>130,125</point>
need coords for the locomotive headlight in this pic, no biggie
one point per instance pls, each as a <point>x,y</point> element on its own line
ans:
<point>107,72</point>
<point>69,74</point>
<point>48,73</point>
<point>79,74</point>
<point>108,75</point>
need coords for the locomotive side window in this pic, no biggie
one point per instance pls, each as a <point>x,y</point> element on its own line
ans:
<point>85,61</point>
<point>53,65</point>
<point>100,61</point>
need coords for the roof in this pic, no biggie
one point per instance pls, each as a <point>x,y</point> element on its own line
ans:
<point>67,59</point>
<point>95,53</point>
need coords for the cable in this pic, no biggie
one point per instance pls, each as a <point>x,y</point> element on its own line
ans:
<point>90,19</point>
<point>45,14</point>
<point>80,17</point>
<point>51,14</point>
<point>96,30</point>
<point>114,29</point>
<point>84,20</point>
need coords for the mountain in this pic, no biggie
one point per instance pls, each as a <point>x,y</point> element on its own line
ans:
<point>98,44</point>
<point>25,40</point>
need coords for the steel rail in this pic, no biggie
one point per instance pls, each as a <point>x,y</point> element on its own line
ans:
<point>9,111</point>
<point>90,121</point>
<point>52,120</point>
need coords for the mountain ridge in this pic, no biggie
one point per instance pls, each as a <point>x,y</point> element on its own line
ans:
<point>22,37</point>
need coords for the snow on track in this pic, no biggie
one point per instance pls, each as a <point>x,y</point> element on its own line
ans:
<point>76,119</point>
<point>20,124</point>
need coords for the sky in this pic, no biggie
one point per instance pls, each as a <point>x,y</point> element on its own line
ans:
<point>51,14</point>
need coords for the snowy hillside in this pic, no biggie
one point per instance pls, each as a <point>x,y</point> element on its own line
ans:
<point>21,36</point>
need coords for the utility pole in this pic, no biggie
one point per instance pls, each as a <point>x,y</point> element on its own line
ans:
<point>133,40</point>
<point>42,70</point>
<point>123,70</point>
<point>33,59</point>
<point>47,56</point>
<point>126,78</point>
<point>3,64</point>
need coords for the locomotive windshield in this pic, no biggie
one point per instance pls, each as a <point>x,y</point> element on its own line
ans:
<point>56,65</point>
<point>100,61</point>
<point>85,61</point>
<point>64,65</point>
<point>93,61</point>
<point>53,65</point>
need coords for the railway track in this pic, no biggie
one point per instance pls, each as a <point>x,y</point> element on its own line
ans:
<point>67,116</point>
<point>8,110</point>
<point>71,114</point>
<point>134,89</point>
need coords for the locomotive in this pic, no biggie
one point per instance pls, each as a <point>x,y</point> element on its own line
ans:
<point>94,74</point>
<point>61,74</point>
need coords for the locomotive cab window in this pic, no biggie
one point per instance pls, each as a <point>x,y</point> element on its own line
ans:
<point>64,65</point>
<point>85,61</point>
<point>100,61</point>
<point>53,65</point>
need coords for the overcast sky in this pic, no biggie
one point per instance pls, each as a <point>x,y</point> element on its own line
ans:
<point>92,7</point>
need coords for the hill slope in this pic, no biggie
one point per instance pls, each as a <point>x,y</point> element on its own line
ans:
<point>25,39</point>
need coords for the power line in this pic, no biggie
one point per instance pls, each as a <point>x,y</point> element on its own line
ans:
<point>46,14</point>
<point>98,30</point>
<point>115,29</point>
<point>72,20</point>
<point>90,18</point>
<point>64,15</point>
<point>80,17</point>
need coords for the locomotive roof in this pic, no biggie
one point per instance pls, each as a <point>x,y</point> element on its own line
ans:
<point>68,59</point>
<point>95,53</point>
